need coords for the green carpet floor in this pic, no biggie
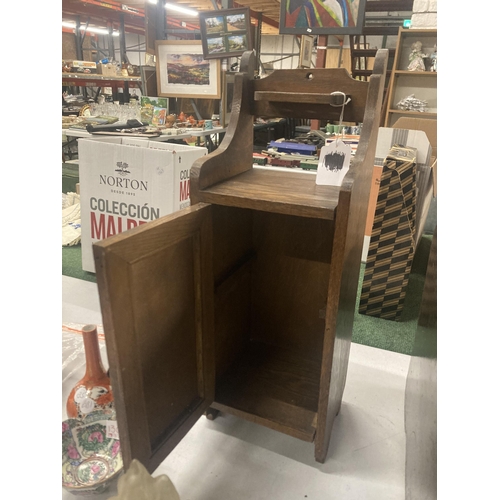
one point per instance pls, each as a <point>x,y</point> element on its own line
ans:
<point>396,336</point>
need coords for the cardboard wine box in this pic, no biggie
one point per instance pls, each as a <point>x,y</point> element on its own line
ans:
<point>125,182</point>
<point>392,242</point>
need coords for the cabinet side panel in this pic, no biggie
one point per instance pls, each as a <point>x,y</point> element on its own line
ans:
<point>350,222</point>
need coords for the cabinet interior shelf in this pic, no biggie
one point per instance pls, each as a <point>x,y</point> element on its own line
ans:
<point>280,192</point>
<point>273,386</point>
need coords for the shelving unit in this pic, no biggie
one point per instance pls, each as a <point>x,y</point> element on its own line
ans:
<point>423,84</point>
<point>115,82</point>
<point>362,54</point>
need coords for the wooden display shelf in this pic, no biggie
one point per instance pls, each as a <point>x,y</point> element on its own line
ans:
<point>279,192</point>
<point>416,73</point>
<point>85,80</point>
<point>423,84</point>
<point>424,114</point>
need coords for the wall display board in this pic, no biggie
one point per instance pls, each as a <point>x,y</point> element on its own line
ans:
<point>182,70</point>
<point>318,17</point>
<point>225,33</point>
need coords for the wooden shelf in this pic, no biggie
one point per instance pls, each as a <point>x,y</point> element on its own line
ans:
<point>85,80</point>
<point>414,113</point>
<point>274,387</point>
<point>280,192</point>
<point>415,73</point>
<point>369,52</point>
<point>423,84</point>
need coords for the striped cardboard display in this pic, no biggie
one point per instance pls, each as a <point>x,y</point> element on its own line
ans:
<point>392,243</point>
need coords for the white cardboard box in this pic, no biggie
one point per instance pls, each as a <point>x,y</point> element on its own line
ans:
<point>125,182</point>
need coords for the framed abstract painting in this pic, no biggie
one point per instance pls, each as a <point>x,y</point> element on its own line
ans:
<point>322,17</point>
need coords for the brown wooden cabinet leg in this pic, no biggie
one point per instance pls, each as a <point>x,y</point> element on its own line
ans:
<point>211,413</point>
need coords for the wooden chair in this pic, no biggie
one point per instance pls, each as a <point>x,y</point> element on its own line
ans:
<point>243,302</point>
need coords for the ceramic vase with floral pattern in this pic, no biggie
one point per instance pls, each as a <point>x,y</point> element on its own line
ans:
<point>93,392</point>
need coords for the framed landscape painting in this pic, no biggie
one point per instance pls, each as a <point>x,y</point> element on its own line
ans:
<point>225,33</point>
<point>183,71</point>
<point>322,17</point>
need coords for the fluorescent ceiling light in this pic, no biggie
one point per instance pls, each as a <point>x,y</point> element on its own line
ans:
<point>153,1</point>
<point>182,10</point>
<point>100,31</point>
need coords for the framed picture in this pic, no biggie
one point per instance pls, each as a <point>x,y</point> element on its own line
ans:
<point>306,48</point>
<point>150,13</point>
<point>320,17</point>
<point>182,70</point>
<point>227,97</point>
<point>151,109</point>
<point>225,33</point>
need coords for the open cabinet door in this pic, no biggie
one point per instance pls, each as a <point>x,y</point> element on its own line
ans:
<point>156,293</point>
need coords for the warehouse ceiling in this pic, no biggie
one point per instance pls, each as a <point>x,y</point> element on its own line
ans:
<point>100,13</point>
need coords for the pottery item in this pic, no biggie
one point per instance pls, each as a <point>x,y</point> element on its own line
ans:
<point>138,483</point>
<point>91,456</point>
<point>93,392</point>
<point>170,120</point>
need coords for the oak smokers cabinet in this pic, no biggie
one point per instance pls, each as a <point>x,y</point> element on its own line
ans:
<point>244,301</point>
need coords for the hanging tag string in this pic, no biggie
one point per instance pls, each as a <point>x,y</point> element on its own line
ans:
<point>345,100</point>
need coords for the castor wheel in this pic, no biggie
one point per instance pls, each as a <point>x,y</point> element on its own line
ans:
<point>211,413</point>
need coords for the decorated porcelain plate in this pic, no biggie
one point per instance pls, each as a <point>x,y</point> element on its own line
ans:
<point>91,456</point>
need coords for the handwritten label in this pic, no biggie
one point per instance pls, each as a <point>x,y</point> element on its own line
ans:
<point>87,405</point>
<point>112,429</point>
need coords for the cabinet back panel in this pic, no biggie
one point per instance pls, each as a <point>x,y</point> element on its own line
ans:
<point>232,241</point>
<point>290,280</point>
<point>232,301</point>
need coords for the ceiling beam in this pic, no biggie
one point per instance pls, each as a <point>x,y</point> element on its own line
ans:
<point>258,16</point>
<point>389,5</point>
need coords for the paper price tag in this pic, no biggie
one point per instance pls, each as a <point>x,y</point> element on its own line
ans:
<point>80,394</point>
<point>333,164</point>
<point>87,405</point>
<point>112,429</point>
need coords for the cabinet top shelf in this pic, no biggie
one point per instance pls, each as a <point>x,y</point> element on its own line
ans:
<point>280,192</point>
